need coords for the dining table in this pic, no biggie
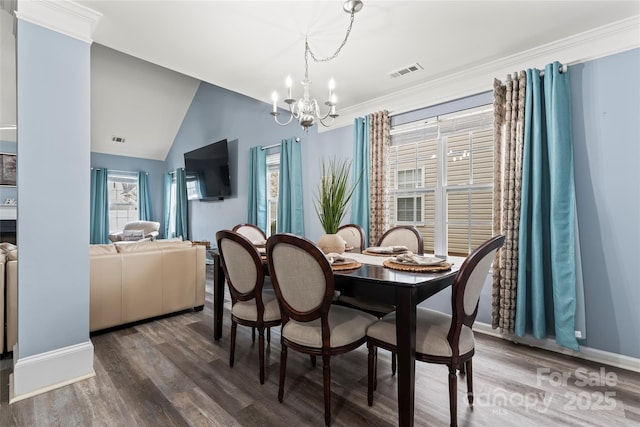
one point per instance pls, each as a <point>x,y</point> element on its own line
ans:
<point>374,281</point>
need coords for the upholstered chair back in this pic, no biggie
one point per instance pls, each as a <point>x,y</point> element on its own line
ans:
<point>301,275</point>
<point>251,232</point>
<point>353,235</point>
<point>241,263</point>
<point>469,283</point>
<point>408,236</point>
<point>147,226</point>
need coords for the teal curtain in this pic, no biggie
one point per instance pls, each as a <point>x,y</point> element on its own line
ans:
<point>99,207</point>
<point>546,294</point>
<point>290,208</point>
<point>166,214</point>
<point>144,203</point>
<point>257,194</point>
<point>362,169</point>
<point>181,204</point>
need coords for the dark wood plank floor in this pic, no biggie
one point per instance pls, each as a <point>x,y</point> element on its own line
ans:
<point>170,372</point>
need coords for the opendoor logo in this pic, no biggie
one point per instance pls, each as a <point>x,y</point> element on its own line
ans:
<point>595,392</point>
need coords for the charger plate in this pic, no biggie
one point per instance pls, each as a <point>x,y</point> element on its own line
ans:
<point>347,264</point>
<point>445,266</point>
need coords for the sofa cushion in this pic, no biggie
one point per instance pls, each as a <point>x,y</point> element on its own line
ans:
<point>107,249</point>
<point>12,255</point>
<point>142,245</point>
<point>132,235</point>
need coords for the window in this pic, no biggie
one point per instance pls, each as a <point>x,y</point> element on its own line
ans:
<point>273,176</point>
<point>442,175</point>
<point>123,199</point>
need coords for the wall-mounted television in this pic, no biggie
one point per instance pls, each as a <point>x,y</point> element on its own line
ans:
<point>207,172</point>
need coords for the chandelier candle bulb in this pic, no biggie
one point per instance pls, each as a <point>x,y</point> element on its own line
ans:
<point>289,83</point>
<point>274,97</point>
<point>332,86</point>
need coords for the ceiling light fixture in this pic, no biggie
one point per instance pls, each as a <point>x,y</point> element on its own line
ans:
<point>305,109</point>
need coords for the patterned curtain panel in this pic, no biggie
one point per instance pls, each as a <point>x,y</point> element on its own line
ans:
<point>380,135</point>
<point>509,102</point>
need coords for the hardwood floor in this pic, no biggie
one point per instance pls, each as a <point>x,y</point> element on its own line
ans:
<point>170,372</point>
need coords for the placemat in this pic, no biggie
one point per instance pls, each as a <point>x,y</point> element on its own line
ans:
<point>346,265</point>
<point>417,268</point>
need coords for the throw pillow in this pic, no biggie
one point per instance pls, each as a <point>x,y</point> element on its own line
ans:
<point>132,235</point>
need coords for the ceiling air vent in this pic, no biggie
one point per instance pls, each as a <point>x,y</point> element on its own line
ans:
<point>119,139</point>
<point>406,70</point>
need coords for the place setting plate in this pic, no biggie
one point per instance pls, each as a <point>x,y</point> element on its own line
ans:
<point>339,263</point>
<point>417,263</point>
<point>385,250</point>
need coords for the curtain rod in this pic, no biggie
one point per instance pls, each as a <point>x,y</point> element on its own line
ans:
<point>117,171</point>
<point>266,147</point>
<point>563,69</point>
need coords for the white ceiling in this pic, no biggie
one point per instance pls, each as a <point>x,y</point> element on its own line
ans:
<point>251,46</point>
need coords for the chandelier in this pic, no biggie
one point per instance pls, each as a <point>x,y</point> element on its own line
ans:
<point>306,110</point>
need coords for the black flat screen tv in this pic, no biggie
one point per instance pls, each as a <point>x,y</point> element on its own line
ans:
<point>207,172</point>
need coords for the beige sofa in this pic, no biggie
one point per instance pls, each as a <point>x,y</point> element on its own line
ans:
<point>131,281</point>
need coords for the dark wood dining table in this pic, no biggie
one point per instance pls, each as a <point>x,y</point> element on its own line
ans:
<point>382,284</point>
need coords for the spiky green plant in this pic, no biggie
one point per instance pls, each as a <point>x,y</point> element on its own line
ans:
<point>334,193</point>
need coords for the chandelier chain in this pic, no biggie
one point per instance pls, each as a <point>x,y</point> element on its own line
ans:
<point>308,51</point>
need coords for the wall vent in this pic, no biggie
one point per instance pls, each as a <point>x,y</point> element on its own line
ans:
<point>406,70</point>
<point>119,139</point>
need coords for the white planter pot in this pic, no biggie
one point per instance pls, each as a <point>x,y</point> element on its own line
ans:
<point>331,243</point>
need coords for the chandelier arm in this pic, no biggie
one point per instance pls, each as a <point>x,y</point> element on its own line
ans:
<point>325,124</point>
<point>275,117</point>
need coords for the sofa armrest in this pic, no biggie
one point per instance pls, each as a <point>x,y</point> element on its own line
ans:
<point>153,235</point>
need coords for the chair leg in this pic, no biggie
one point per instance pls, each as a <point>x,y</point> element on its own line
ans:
<point>326,376</point>
<point>393,363</point>
<point>453,390</point>
<point>232,342</point>
<point>253,335</point>
<point>469,382</point>
<point>269,335</point>
<point>462,369</point>
<point>375,369</point>
<point>371,362</point>
<point>283,369</point>
<point>313,361</point>
<point>261,352</point>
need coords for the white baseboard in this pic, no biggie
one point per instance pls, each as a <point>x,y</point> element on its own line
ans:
<point>587,353</point>
<point>42,372</point>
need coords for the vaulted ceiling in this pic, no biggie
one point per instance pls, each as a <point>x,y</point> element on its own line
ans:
<point>150,55</point>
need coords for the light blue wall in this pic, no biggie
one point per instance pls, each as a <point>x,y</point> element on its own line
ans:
<point>606,135</point>
<point>155,169</point>
<point>216,113</point>
<point>53,189</point>
<point>7,192</point>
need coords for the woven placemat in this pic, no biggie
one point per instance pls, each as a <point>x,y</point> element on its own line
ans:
<point>347,265</point>
<point>416,268</point>
<point>366,252</point>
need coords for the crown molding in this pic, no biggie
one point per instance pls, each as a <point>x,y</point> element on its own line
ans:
<point>603,41</point>
<point>62,16</point>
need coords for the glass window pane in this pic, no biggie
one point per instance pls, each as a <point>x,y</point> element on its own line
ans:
<point>123,199</point>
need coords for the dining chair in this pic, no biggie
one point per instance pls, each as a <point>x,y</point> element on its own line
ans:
<point>251,305</point>
<point>442,338</point>
<point>251,232</point>
<point>304,284</point>
<point>405,235</point>
<point>353,235</point>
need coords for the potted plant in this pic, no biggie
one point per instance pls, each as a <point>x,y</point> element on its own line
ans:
<point>334,193</point>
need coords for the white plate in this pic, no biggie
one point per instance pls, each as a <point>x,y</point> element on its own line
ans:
<point>424,260</point>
